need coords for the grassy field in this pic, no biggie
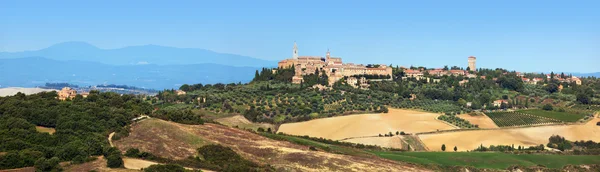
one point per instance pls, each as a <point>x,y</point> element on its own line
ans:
<point>490,160</point>
<point>563,116</point>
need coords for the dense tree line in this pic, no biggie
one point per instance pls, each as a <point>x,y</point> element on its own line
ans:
<point>82,126</point>
<point>279,74</point>
<point>179,116</point>
<point>367,76</point>
<point>59,85</point>
<point>319,77</point>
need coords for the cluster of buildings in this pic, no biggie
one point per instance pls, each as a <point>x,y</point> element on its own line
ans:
<point>557,77</point>
<point>333,67</point>
<point>420,73</point>
<point>69,93</point>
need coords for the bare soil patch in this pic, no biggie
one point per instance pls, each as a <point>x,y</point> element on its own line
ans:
<point>45,129</point>
<point>481,120</point>
<point>349,126</point>
<point>469,140</point>
<point>137,164</point>
<point>284,156</point>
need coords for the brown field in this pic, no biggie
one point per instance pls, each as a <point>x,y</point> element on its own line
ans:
<point>392,142</point>
<point>530,136</point>
<point>45,129</point>
<point>243,123</point>
<point>481,120</point>
<point>97,165</point>
<point>367,124</point>
<point>157,137</point>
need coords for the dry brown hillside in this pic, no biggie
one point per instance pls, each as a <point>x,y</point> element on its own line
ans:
<point>173,140</point>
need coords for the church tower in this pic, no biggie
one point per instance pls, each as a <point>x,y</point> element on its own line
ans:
<point>295,56</point>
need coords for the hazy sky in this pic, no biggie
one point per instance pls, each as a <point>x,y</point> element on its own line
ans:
<point>528,35</point>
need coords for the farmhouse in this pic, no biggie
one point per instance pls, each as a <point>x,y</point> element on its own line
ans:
<point>498,103</point>
<point>67,93</point>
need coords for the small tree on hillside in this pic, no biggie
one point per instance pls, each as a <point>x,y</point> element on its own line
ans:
<point>443,147</point>
<point>547,107</point>
<point>455,149</point>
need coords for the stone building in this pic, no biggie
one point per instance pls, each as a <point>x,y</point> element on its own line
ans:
<point>180,92</point>
<point>66,92</point>
<point>472,60</point>
<point>333,67</point>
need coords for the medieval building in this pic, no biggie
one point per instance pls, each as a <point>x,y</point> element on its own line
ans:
<point>332,66</point>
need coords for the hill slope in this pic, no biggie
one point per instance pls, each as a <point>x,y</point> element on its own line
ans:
<point>145,54</point>
<point>158,137</point>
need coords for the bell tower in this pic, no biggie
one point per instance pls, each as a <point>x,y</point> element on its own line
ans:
<point>295,51</point>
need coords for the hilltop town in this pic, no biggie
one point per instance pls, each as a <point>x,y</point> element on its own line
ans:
<point>357,74</point>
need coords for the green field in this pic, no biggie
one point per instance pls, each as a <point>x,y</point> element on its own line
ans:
<point>490,160</point>
<point>563,116</point>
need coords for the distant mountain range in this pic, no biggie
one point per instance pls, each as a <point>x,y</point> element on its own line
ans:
<point>36,71</point>
<point>134,55</point>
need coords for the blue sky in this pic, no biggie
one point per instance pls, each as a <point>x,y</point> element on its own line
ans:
<point>535,35</point>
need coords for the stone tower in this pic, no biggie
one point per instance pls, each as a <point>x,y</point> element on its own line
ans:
<point>472,63</point>
<point>295,56</point>
<point>327,55</point>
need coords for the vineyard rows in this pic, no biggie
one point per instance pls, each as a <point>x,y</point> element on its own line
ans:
<point>509,119</point>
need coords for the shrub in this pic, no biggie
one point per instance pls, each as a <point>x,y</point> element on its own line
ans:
<point>113,157</point>
<point>225,157</point>
<point>132,152</point>
<point>44,164</point>
<point>114,161</point>
<point>164,168</point>
<point>547,107</point>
